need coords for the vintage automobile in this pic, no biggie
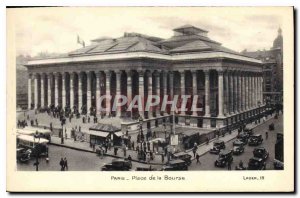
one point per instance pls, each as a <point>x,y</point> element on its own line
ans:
<point>271,127</point>
<point>217,146</point>
<point>248,131</point>
<point>261,152</point>
<point>145,168</point>
<point>225,157</point>
<point>255,140</point>
<point>23,154</point>
<point>243,137</point>
<point>278,165</point>
<point>175,165</point>
<point>238,148</point>
<point>117,165</point>
<point>183,156</point>
<point>256,164</point>
<point>237,142</point>
<point>37,145</point>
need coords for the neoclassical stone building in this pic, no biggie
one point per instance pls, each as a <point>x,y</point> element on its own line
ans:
<point>229,84</point>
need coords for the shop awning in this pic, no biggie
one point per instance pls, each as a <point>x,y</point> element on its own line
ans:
<point>98,133</point>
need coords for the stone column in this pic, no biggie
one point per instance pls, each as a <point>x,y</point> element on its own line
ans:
<point>79,91</point>
<point>171,84</point>
<point>247,91</point>
<point>239,92</point>
<point>35,91</point>
<point>89,91</point>
<point>98,93</point>
<point>141,92</point>
<point>206,121</point>
<point>49,89</point>
<point>63,90</point>
<point>72,93</point>
<point>29,91</point>
<point>129,90</point>
<point>226,93</point>
<point>182,87</point>
<point>42,90</point>
<point>221,94</point>
<point>243,92</point>
<point>108,99</point>
<point>231,88</point>
<point>252,91</point>
<point>150,92</point>
<point>165,78</point>
<point>236,93</point>
<point>261,90</point>
<point>207,94</point>
<point>118,90</point>
<point>157,88</point>
<point>195,89</point>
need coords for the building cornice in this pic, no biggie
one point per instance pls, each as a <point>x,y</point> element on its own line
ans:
<point>134,55</point>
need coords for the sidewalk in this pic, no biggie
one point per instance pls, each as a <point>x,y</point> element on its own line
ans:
<point>202,149</point>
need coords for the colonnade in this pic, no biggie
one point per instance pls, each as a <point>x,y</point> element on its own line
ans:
<point>230,91</point>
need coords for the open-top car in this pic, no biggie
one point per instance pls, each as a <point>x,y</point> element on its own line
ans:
<point>183,156</point>
<point>224,158</point>
<point>217,146</point>
<point>261,152</point>
<point>256,164</point>
<point>117,165</point>
<point>238,148</point>
<point>23,154</point>
<point>255,140</point>
<point>175,165</point>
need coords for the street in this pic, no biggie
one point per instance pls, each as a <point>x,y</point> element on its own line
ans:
<point>77,161</point>
<point>86,161</point>
<point>208,159</point>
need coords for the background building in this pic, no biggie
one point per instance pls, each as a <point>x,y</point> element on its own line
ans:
<point>272,69</point>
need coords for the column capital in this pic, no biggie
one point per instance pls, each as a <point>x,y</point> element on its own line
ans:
<point>56,74</point>
<point>141,72</point>
<point>206,71</point>
<point>220,71</point>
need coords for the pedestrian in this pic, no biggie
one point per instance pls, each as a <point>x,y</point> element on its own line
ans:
<point>229,165</point>
<point>148,158</point>
<point>162,158</point>
<point>61,163</point>
<point>124,150</point>
<point>197,159</point>
<point>267,135</point>
<point>115,150</point>
<point>148,146</point>
<point>129,159</point>
<point>66,164</point>
<point>195,150</point>
<point>89,119</point>
<point>66,135</point>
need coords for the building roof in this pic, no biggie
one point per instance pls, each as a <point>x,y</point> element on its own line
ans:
<point>186,40</point>
<point>132,43</point>
<point>188,28</point>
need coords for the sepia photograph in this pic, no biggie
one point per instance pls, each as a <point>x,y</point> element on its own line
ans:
<point>145,90</point>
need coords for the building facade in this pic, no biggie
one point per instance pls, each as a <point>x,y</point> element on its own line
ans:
<point>272,60</point>
<point>229,84</point>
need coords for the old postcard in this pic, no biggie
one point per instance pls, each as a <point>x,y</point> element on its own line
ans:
<point>150,99</point>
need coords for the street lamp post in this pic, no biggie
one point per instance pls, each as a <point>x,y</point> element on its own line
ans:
<point>141,129</point>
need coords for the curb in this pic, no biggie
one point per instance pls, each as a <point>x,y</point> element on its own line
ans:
<point>115,156</point>
<point>109,155</point>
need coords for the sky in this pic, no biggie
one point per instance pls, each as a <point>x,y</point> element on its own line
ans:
<point>55,30</point>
